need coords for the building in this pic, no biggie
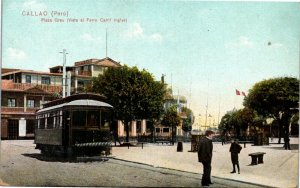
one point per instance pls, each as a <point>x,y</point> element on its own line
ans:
<point>83,71</point>
<point>172,100</point>
<point>25,91</point>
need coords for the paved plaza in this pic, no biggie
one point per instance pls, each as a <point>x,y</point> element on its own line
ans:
<point>280,167</point>
<point>153,165</point>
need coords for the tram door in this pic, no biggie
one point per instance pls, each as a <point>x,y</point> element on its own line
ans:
<point>13,129</point>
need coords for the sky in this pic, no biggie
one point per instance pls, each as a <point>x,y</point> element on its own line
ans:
<point>206,50</point>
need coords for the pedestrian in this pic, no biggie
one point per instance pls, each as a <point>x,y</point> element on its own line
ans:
<point>205,156</point>
<point>223,139</point>
<point>235,149</point>
<point>116,137</point>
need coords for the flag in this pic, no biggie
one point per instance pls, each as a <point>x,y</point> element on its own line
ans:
<point>237,92</point>
<point>244,94</point>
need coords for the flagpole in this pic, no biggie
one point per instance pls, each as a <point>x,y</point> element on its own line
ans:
<point>234,99</point>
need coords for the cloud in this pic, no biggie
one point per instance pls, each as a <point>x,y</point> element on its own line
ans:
<point>89,38</point>
<point>34,5</point>
<point>16,54</point>
<point>240,42</point>
<point>135,31</point>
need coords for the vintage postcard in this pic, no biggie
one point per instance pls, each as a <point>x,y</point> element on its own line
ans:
<point>127,93</point>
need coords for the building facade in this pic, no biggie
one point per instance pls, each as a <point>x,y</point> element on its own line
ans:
<point>25,91</point>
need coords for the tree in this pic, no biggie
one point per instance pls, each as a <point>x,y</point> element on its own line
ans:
<point>229,122</point>
<point>134,94</point>
<point>171,119</point>
<point>187,123</point>
<point>225,122</point>
<point>245,118</point>
<point>237,120</point>
<point>275,98</point>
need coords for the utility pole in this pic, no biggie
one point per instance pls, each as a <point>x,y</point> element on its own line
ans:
<point>64,52</point>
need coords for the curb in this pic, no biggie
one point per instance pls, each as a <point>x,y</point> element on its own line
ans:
<point>233,180</point>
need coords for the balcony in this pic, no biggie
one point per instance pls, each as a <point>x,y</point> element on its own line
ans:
<point>18,110</point>
<point>84,73</point>
<point>9,85</point>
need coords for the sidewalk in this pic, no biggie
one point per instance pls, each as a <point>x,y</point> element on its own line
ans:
<point>280,168</point>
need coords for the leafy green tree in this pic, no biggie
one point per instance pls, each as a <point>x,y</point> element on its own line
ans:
<point>224,123</point>
<point>134,94</point>
<point>227,122</point>
<point>237,120</point>
<point>245,118</point>
<point>187,123</point>
<point>276,98</point>
<point>171,119</point>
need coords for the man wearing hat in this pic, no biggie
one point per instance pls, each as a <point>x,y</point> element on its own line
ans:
<point>235,149</point>
<point>205,155</point>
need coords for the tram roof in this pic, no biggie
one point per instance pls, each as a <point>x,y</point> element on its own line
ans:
<point>67,99</point>
<point>80,102</point>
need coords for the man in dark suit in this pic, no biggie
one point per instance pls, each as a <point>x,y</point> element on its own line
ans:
<point>205,155</point>
<point>235,149</point>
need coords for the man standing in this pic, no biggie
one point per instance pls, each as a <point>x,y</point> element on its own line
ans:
<point>235,149</point>
<point>205,155</point>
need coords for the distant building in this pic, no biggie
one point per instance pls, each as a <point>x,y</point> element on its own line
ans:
<point>83,71</point>
<point>172,100</point>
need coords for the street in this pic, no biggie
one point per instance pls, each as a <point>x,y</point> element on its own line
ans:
<point>22,165</point>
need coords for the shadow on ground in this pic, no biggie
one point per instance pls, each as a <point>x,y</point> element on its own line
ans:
<point>45,158</point>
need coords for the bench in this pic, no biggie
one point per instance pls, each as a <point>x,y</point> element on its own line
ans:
<point>163,140</point>
<point>257,158</point>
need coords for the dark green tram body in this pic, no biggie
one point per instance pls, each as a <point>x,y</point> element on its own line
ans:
<point>77,125</point>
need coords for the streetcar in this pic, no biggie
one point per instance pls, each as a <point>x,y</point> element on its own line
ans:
<point>77,125</point>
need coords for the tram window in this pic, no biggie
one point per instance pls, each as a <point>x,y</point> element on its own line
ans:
<point>60,121</point>
<point>79,118</point>
<point>93,118</point>
<point>166,130</point>
<point>42,123</point>
<point>105,119</point>
<point>50,121</point>
<point>57,121</point>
